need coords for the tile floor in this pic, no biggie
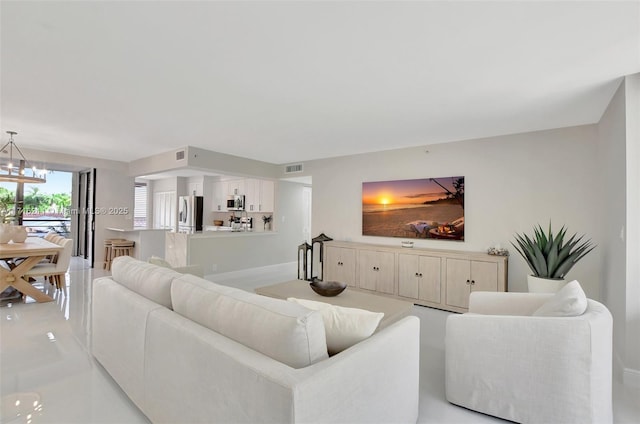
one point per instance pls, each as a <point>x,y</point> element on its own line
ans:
<point>47,374</point>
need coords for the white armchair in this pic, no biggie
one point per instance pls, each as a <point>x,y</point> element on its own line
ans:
<point>502,361</point>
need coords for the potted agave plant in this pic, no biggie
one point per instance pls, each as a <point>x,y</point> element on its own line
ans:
<point>550,257</point>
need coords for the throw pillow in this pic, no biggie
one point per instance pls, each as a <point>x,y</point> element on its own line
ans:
<point>159,261</point>
<point>569,301</point>
<point>344,327</point>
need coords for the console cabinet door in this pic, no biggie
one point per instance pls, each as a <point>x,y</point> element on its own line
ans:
<point>458,282</point>
<point>465,276</point>
<point>409,276</point>
<point>484,276</point>
<point>340,265</point>
<point>376,271</point>
<point>430,279</point>
<point>419,277</point>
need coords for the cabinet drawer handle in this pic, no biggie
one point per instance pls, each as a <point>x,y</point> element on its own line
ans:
<point>473,282</point>
<point>420,275</point>
<point>417,275</point>
<point>468,282</point>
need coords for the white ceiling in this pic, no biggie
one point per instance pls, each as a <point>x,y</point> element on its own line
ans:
<point>292,81</point>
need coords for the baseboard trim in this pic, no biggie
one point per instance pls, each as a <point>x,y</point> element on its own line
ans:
<point>628,376</point>
<point>631,377</point>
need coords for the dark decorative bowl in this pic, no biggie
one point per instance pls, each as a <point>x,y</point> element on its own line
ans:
<point>327,288</point>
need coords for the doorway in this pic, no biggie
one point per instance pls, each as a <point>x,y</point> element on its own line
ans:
<point>85,218</point>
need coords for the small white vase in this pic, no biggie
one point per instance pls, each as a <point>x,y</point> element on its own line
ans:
<point>544,285</point>
<point>18,234</point>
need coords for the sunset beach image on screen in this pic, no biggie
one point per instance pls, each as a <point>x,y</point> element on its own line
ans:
<point>422,208</point>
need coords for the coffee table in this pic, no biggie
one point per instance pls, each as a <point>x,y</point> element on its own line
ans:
<point>393,309</point>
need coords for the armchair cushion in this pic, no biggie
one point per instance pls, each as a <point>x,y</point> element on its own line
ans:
<point>569,301</point>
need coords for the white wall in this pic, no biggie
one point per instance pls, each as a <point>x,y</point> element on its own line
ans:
<point>619,155</point>
<point>114,190</point>
<point>511,183</point>
<point>611,152</point>
<point>632,339</point>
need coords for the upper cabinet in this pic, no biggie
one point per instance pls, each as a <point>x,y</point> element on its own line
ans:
<point>236,187</point>
<point>259,194</point>
<point>220,193</point>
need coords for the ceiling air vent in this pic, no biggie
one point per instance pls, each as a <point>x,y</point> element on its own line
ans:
<point>292,169</point>
<point>180,155</point>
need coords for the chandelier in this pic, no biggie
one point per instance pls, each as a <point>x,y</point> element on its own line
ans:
<point>15,170</point>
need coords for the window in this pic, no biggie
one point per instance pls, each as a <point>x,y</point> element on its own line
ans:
<point>140,206</point>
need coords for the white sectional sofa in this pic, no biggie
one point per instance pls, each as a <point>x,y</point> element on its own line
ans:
<point>186,350</point>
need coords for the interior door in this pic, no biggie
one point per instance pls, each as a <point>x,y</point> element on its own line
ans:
<point>85,216</point>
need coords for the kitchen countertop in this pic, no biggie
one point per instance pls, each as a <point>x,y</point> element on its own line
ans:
<point>130,230</point>
<point>217,234</point>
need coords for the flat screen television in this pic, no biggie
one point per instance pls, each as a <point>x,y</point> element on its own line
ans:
<point>431,208</point>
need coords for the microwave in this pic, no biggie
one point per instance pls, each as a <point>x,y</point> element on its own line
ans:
<point>235,202</point>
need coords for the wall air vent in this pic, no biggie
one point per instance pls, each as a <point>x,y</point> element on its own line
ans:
<point>292,169</point>
<point>180,155</point>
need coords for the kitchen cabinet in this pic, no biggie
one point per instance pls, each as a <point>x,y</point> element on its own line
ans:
<point>194,189</point>
<point>259,195</point>
<point>340,265</point>
<point>441,279</point>
<point>376,271</point>
<point>235,187</point>
<point>220,196</point>
<point>465,276</point>
<point>267,196</point>
<point>419,277</point>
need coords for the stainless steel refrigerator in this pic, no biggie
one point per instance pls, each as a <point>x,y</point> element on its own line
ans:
<point>190,214</point>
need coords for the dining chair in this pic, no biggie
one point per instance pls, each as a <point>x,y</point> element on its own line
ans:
<point>55,271</point>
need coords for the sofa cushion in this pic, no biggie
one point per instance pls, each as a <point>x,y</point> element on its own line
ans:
<point>344,326</point>
<point>150,281</point>
<point>284,331</point>
<point>569,301</point>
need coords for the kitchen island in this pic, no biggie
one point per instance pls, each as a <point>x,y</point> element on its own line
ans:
<point>149,241</point>
<point>223,251</point>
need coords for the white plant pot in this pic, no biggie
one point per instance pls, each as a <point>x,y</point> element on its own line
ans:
<point>5,233</point>
<point>544,285</point>
<point>18,234</point>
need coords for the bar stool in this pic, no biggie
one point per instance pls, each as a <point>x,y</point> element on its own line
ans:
<point>122,248</point>
<point>108,252</point>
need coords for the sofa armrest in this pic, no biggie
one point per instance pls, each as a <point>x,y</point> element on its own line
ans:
<point>376,380</point>
<point>506,303</point>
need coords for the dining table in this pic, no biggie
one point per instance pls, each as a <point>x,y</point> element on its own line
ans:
<point>30,253</point>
